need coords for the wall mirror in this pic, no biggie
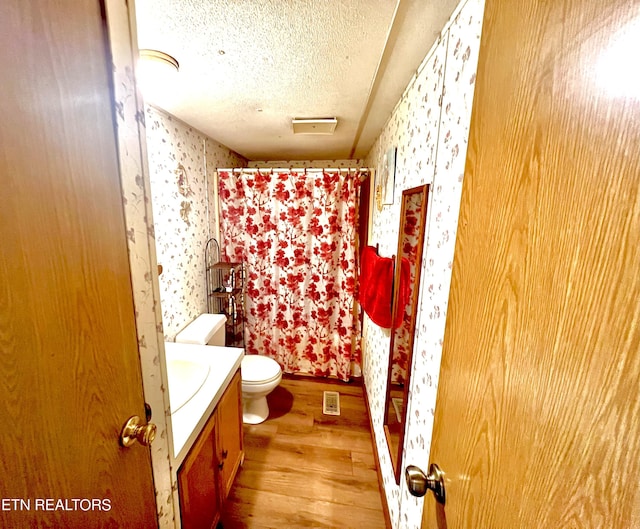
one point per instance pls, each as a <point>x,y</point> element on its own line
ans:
<point>406,287</point>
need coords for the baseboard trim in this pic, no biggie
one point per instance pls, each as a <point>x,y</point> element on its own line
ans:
<point>353,381</point>
<point>383,496</point>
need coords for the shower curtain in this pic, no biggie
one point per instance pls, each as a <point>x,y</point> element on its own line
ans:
<point>295,230</point>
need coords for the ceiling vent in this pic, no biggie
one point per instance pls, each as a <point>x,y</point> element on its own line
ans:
<point>314,125</point>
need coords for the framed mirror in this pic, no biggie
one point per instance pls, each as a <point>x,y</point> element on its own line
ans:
<point>406,285</point>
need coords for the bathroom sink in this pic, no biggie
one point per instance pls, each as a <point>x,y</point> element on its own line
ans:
<point>185,380</point>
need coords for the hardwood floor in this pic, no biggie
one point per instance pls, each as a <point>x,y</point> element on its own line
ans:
<point>305,469</point>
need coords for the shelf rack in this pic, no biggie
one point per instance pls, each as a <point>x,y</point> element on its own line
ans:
<point>225,292</point>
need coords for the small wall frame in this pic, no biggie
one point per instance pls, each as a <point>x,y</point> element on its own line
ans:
<point>385,179</point>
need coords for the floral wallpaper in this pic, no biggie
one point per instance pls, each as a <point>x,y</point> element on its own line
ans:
<point>182,164</point>
<point>430,128</point>
<point>460,75</point>
<point>413,129</point>
<point>142,257</point>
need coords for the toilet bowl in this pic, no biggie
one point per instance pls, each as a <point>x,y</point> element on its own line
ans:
<point>260,374</point>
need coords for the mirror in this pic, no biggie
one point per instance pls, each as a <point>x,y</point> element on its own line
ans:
<point>406,287</point>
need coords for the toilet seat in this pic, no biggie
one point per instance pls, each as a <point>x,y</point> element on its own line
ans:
<point>257,369</point>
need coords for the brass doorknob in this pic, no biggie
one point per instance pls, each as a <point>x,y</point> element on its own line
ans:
<point>419,483</point>
<point>133,431</point>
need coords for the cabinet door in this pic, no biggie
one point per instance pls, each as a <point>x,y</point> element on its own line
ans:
<point>229,431</point>
<point>198,482</point>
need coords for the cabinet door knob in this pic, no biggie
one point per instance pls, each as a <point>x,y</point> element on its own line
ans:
<point>225,453</point>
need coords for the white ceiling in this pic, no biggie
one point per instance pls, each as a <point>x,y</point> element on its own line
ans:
<point>248,67</point>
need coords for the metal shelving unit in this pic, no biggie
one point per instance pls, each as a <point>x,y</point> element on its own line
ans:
<point>225,292</point>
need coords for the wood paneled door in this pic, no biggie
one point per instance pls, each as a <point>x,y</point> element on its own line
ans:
<point>538,410</point>
<point>70,370</point>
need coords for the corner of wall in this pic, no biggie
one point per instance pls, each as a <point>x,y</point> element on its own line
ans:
<point>182,164</point>
<point>429,128</point>
<point>142,258</point>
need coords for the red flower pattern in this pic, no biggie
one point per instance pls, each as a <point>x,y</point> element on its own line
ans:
<point>296,233</point>
<point>400,350</point>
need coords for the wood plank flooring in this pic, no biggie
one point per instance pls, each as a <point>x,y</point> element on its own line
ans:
<point>305,469</point>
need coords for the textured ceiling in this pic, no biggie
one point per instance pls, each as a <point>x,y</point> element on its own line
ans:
<point>247,67</point>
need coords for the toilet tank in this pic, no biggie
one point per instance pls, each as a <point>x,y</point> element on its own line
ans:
<point>206,329</point>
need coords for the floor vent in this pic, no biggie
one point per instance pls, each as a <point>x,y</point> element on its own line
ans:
<point>331,403</point>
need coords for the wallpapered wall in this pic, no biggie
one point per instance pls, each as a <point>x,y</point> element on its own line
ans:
<point>430,128</point>
<point>182,164</point>
<point>142,254</point>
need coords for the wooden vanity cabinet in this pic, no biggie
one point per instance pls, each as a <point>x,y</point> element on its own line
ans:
<point>207,473</point>
<point>229,435</point>
<point>198,482</point>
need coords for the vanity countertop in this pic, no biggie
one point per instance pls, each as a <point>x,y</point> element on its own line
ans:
<point>222,363</point>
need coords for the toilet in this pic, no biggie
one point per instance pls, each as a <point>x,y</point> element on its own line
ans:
<point>260,374</point>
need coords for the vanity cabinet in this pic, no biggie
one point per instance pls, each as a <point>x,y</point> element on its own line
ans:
<point>198,482</point>
<point>229,434</point>
<point>207,473</point>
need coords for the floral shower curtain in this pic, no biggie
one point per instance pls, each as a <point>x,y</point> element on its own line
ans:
<point>296,233</point>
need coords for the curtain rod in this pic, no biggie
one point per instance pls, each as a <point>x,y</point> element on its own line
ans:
<point>295,169</point>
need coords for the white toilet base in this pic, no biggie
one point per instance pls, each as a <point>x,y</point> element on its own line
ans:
<point>254,411</point>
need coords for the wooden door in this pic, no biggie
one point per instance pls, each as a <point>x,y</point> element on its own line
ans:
<point>70,371</point>
<point>537,419</point>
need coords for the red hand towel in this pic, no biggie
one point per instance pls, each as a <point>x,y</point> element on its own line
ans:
<point>376,287</point>
<point>376,280</point>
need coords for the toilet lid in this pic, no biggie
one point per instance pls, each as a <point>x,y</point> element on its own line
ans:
<point>257,368</point>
